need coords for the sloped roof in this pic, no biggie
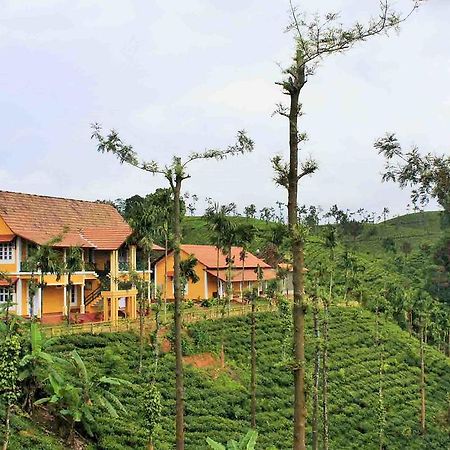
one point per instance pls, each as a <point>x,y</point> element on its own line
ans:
<point>249,274</point>
<point>81,223</point>
<point>207,255</point>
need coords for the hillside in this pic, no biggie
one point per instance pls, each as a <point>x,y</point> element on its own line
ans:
<point>217,401</point>
<point>416,228</point>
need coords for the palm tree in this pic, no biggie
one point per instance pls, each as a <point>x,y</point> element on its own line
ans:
<point>44,260</point>
<point>10,348</point>
<point>6,306</point>
<point>73,262</point>
<point>219,224</point>
<point>175,173</point>
<point>188,273</point>
<point>245,234</point>
<point>330,244</point>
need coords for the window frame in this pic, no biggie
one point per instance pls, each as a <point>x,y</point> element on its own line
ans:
<point>7,249</point>
<point>4,293</point>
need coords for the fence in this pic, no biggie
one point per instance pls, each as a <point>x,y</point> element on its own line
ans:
<point>193,316</point>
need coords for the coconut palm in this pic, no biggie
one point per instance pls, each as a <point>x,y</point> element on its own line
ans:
<point>73,262</point>
<point>245,235</point>
<point>43,260</point>
<point>219,224</point>
<point>188,273</point>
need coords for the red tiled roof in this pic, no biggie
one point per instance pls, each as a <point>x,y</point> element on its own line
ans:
<point>207,255</point>
<point>6,237</point>
<point>81,223</point>
<point>8,282</point>
<point>249,274</point>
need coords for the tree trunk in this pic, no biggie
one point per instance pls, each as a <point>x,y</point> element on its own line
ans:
<point>7,426</point>
<point>141,331</point>
<point>325,429</point>
<point>156,341</point>
<point>448,343</point>
<point>217,271</point>
<point>253,363</point>
<point>299,441</point>
<point>422,383</point>
<point>41,306</point>
<point>229,284</point>
<point>243,277</point>
<point>315,417</point>
<point>382,410</point>
<point>178,319</point>
<point>149,286</point>
<point>68,296</point>
<point>166,251</point>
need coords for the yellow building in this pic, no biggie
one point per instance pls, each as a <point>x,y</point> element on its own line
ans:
<point>28,221</point>
<point>211,270</point>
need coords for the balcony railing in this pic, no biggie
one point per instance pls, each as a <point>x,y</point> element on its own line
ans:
<point>25,266</point>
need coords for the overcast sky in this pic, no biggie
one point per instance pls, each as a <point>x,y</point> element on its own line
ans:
<point>175,76</point>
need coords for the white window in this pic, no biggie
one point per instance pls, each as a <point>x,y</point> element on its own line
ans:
<point>6,251</point>
<point>4,294</point>
<point>73,297</point>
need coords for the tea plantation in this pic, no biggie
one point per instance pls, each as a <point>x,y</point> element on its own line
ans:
<point>217,401</point>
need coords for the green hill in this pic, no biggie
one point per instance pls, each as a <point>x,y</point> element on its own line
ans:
<point>416,228</point>
<point>217,401</point>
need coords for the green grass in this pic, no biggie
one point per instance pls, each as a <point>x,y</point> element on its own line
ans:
<point>219,407</point>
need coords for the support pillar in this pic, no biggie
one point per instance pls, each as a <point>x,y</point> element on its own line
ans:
<point>105,309</point>
<point>133,306</point>
<point>114,310</point>
<point>65,300</point>
<point>132,257</point>
<point>82,305</point>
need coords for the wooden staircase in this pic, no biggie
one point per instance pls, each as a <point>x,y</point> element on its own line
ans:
<point>94,297</point>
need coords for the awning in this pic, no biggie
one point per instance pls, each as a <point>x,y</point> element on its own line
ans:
<point>6,237</point>
<point>9,282</point>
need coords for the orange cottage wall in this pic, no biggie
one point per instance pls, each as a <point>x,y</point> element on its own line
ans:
<point>53,299</point>
<point>195,291</point>
<point>4,229</point>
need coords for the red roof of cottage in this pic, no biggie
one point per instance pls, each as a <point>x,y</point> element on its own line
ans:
<point>80,223</point>
<point>249,274</point>
<point>207,255</point>
<point>8,281</point>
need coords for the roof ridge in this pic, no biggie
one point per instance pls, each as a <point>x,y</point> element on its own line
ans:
<point>96,202</point>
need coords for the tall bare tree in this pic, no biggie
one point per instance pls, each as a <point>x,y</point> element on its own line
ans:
<point>315,39</point>
<point>175,173</point>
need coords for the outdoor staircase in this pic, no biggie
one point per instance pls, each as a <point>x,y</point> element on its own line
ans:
<point>94,297</point>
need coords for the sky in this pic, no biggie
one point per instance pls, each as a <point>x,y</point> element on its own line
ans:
<point>176,76</point>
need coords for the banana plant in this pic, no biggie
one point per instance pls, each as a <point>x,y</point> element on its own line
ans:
<point>248,442</point>
<point>76,399</point>
<point>36,366</point>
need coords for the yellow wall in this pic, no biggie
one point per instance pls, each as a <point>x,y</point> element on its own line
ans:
<point>195,290</point>
<point>53,299</point>
<point>4,229</point>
